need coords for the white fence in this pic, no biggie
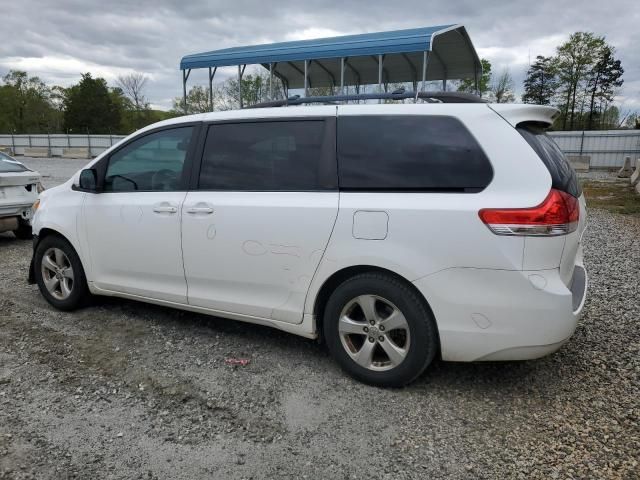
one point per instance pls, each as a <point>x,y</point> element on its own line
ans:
<point>606,148</point>
<point>56,143</point>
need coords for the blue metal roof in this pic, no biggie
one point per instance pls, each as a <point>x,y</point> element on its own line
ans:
<point>382,43</point>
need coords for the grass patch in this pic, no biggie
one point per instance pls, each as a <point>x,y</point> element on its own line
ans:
<point>614,196</point>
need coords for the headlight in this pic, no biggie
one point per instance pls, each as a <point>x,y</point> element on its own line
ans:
<point>40,187</point>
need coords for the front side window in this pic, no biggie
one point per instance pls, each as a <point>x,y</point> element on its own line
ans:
<point>409,153</point>
<point>267,156</point>
<point>151,163</point>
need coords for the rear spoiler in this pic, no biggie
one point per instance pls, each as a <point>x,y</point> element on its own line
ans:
<point>515,114</point>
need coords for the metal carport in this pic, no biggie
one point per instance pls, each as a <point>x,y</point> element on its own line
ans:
<point>441,52</point>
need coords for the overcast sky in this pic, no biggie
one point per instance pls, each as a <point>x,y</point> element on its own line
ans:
<point>59,40</point>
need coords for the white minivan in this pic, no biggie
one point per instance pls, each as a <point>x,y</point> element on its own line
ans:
<point>394,232</point>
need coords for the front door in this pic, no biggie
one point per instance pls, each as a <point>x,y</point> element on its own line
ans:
<point>260,219</point>
<point>133,224</point>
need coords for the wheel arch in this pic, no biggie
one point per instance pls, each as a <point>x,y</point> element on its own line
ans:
<point>45,232</point>
<point>339,276</point>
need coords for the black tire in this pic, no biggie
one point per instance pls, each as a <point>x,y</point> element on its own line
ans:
<point>24,231</point>
<point>421,337</point>
<point>79,290</point>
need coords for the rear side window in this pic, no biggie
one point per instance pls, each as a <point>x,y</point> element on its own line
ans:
<point>269,156</point>
<point>563,176</point>
<point>411,153</point>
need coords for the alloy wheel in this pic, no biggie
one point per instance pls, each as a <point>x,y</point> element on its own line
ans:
<point>57,273</point>
<point>374,332</point>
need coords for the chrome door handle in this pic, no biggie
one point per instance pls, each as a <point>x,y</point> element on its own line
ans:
<point>206,210</point>
<point>165,209</point>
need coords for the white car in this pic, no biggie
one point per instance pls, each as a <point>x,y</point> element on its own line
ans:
<point>19,189</point>
<point>395,232</point>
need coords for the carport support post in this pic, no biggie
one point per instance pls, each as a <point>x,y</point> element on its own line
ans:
<point>271,81</point>
<point>240,73</point>
<point>425,59</point>
<point>342,76</point>
<point>306,78</point>
<point>475,78</point>
<point>211,75</point>
<point>185,77</point>
<point>444,84</point>
<point>379,76</point>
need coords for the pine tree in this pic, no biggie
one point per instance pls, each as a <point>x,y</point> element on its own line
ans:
<point>541,83</point>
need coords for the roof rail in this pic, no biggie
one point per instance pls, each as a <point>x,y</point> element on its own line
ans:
<point>401,94</point>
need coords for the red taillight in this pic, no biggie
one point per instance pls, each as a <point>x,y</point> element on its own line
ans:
<point>558,214</point>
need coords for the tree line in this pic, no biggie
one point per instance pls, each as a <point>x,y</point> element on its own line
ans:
<point>28,105</point>
<point>581,80</point>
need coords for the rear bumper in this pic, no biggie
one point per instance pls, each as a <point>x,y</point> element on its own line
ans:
<point>16,210</point>
<point>503,315</point>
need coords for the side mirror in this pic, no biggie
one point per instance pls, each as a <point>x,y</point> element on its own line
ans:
<point>88,180</point>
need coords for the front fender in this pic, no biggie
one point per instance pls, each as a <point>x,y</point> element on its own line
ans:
<point>60,213</point>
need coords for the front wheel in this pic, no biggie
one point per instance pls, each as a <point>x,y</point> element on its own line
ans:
<point>59,273</point>
<point>379,330</point>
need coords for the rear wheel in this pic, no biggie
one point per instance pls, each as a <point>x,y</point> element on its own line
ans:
<point>59,273</point>
<point>379,330</point>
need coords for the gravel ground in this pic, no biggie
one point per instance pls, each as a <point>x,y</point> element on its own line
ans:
<point>126,390</point>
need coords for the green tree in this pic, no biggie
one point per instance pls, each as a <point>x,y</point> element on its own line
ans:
<point>610,118</point>
<point>605,77</point>
<point>197,102</point>
<point>255,89</point>
<point>574,60</point>
<point>541,83</point>
<point>226,96</point>
<point>91,107</point>
<point>484,82</point>
<point>25,105</point>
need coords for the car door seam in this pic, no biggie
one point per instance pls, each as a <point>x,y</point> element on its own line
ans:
<point>184,269</point>
<point>324,251</point>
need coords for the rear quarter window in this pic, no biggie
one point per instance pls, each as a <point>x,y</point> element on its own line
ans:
<point>563,176</point>
<point>9,165</point>
<point>409,153</point>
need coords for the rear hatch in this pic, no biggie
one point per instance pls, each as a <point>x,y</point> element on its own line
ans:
<point>550,251</point>
<point>18,184</point>
<point>564,179</point>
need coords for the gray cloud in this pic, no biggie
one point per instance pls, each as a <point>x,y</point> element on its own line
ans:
<point>59,40</point>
